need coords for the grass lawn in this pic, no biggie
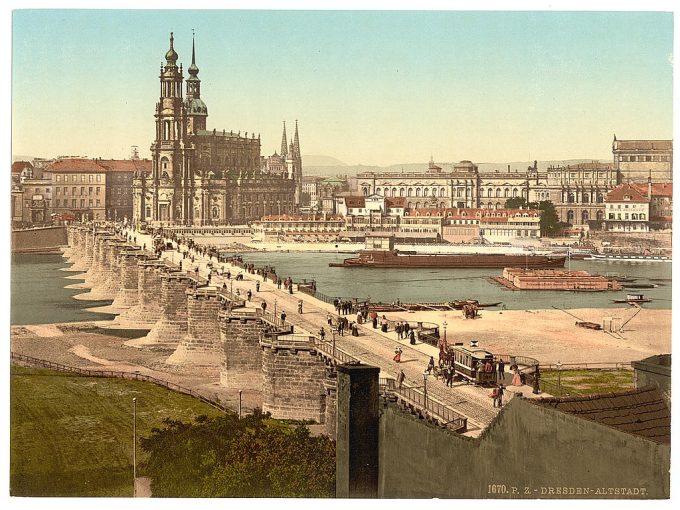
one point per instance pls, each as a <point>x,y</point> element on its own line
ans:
<point>72,435</point>
<point>587,382</point>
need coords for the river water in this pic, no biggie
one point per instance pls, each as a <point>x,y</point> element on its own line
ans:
<point>422,285</point>
<point>39,295</point>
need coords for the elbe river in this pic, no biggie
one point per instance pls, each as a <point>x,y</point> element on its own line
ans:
<point>39,295</point>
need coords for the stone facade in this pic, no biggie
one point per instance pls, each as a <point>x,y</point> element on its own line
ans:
<point>241,352</point>
<point>172,324</point>
<point>201,177</point>
<point>293,379</point>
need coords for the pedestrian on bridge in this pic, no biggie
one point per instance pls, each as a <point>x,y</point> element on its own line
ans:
<point>300,308</point>
<point>322,334</point>
<point>283,317</point>
<point>257,287</point>
<point>397,354</point>
<point>264,306</point>
<point>249,294</point>
<point>430,365</point>
<point>501,371</point>
<point>329,319</point>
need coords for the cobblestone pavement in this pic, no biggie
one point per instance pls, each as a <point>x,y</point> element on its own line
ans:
<point>372,346</point>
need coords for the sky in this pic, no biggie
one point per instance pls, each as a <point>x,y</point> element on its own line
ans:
<point>367,87</point>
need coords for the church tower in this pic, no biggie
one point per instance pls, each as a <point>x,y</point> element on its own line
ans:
<point>197,112</point>
<point>167,151</point>
<point>297,167</point>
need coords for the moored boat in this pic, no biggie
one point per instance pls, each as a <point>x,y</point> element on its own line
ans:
<point>633,299</point>
<point>629,257</point>
<point>396,259</point>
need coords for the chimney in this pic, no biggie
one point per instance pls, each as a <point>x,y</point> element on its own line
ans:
<point>649,185</point>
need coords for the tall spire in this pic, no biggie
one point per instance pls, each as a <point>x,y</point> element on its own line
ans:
<point>296,141</point>
<point>284,141</point>
<point>193,69</point>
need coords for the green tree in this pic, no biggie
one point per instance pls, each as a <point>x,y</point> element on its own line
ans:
<point>550,222</point>
<point>227,457</point>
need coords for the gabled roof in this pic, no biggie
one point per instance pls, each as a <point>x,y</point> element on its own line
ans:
<point>20,166</point>
<point>641,412</point>
<point>626,190</point>
<point>644,145</point>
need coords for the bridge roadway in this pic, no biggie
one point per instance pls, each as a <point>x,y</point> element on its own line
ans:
<point>372,346</point>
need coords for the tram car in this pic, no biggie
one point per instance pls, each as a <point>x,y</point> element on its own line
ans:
<point>468,364</point>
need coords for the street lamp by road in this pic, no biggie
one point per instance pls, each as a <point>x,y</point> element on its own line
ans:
<point>559,378</point>
<point>240,401</point>
<point>134,447</point>
<point>444,326</point>
<point>333,333</point>
<point>275,302</point>
<point>425,375</point>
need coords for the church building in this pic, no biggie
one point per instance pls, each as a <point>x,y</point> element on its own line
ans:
<point>207,177</point>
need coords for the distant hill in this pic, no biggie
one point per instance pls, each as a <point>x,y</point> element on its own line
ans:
<point>351,170</point>
<point>319,160</point>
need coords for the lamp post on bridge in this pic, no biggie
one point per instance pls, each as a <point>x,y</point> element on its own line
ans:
<point>425,375</point>
<point>559,378</point>
<point>444,326</point>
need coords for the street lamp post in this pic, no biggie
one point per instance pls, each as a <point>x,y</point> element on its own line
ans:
<point>240,402</point>
<point>425,374</point>
<point>333,333</point>
<point>444,325</point>
<point>559,378</point>
<point>275,302</point>
<point>134,447</point>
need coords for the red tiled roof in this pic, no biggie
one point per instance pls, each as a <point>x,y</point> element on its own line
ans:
<point>645,145</point>
<point>659,189</point>
<point>641,412</point>
<point>126,165</point>
<point>623,190</point>
<point>395,201</point>
<point>75,165</point>
<point>355,201</point>
<point>20,166</point>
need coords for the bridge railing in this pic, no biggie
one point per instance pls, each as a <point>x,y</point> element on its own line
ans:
<point>88,372</point>
<point>416,397</point>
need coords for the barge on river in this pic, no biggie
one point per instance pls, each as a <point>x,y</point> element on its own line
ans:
<point>397,259</point>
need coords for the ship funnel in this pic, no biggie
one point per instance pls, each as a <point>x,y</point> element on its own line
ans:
<point>474,343</point>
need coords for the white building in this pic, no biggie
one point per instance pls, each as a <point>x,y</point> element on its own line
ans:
<point>626,210</point>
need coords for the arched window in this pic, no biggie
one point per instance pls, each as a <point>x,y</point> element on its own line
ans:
<point>481,193</point>
<point>442,192</point>
<point>515,192</point>
<point>426,192</point>
<point>148,212</point>
<point>164,164</point>
<point>394,192</point>
<point>498,193</point>
<point>643,216</point>
<point>459,192</point>
<point>441,204</point>
<point>378,191</point>
<point>410,192</point>
<point>401,192</point>
<point>585,216</point>
<point>570,198</point>
<point>417,205</point>
<point>417,192</point>
<point>634,216</point>
<point>365,190</point>
<point>600,198</point>
<point>506,192</point>
<point>600,215</point>
<point>410,205</point>
<point>498,205</point>
<point>570,216</point>
<point>585,198</point>
<point>215,213</point>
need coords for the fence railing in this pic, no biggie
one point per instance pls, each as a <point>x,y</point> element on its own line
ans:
<point>418,398</point>
<point>88,372</point>
<point>604,365</point>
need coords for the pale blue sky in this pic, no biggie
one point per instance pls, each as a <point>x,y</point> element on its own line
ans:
<point>367,87</point>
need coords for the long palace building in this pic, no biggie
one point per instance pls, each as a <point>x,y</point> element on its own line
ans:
<point>208,177</point>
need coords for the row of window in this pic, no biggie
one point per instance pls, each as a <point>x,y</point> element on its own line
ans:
<point>645,158</point>
<point>74,190</point>
<point>585,198</point>
<point>74,203</point>
<point>502,232</point>
<point>633,216</point>
<point>83,178</point>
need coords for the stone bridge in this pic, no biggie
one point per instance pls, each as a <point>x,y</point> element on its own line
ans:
<point>208,325</point>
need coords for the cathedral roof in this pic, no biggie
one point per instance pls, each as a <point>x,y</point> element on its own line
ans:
<point>196,106</point>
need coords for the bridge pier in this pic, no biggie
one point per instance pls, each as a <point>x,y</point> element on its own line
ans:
<point>172,324</point>
<point>201,345</point>
<point>293,384</point>
<point>128,295</point>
